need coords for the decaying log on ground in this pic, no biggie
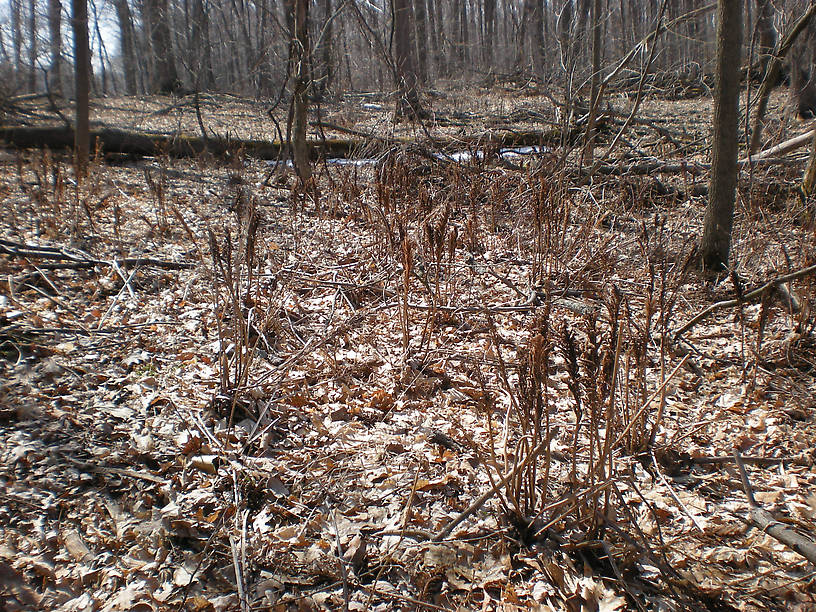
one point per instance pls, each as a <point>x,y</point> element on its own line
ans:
<point>109,140</point>
<point>653,166</point>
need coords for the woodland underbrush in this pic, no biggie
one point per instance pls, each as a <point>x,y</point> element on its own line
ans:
<point>509,351</point>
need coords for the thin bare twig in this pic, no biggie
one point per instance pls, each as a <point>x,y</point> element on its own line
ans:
<point>751,295</point>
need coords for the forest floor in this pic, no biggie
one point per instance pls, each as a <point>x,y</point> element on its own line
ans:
<point>220,390</point>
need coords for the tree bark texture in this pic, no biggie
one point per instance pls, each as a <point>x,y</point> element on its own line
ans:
<point>82,84</point>
<point>595,82</point>
<point>204,77</point>
<point>32,46</point>
<point>803,75</point>
<point>55,44</point>
<point>323,69</point>
<point>300,85</point>
<point>719,216</point>
<point>421,40</point>
<point>765,32</point>
<point>405,72</point>
<point>489,31</point>
<point>17,36</point>
<point>164,60</point>
<point>126,45</point>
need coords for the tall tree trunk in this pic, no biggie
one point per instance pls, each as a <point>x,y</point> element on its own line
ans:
<point>565,25</point>
<point>166,77</point>
<point>127,46</point>
<point>538,38</point>
<point>82,77</point>
<point>32,46</point>
<point>103,56</point>
<point>246,50</point>
<point>531,37</point>
<point>634,18</point>
<point>405,62</point>
<point>521,45</point>
<point>55,34</point>
<point>17,37</point>
<point>300,52</point>
<point>435,23</point>
<point>269,40</point>
<point>421,39</point>
<point>489,41</point>
<point>201,46</point>
<point>595,82</point>
<point>323,69</point>
<point>584,10</point>
<point>716,240</point>
<point>806,102</point>
<point>802,74</point>
<point>464,35</point>
<point>766,32</point>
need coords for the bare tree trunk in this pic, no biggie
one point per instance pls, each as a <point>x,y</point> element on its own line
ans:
<point>202,47</point>
<point>531,37</point>
<point>464,34</point>
<point>622,35</point>
<point>564,25</point>
<point>803,75</point>
<point>716,241</point>
<point>489,40</point>
<point>32,46</point>
<point>323,69</point>
<point>584,10</point>
<point>55,33</point>
<point>537,42</point>
<point>126,46</point>
<point>405,63</point>
<point>245,51</point>
<point>103,72</point>
<point>521,44</point>
<point>595,83</point>
<point>17,36</point>
<point>421,40</point>
<point>82,76</point>
<point>634,18</point>
<point>766,32</point>
<point>435,23</point>
<point>158,15</point>
<point>299,19</point>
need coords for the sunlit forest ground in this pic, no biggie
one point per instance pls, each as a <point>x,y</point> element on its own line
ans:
<point>454,375</point>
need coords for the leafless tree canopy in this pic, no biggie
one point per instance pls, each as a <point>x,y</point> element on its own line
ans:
<point>242,47</point>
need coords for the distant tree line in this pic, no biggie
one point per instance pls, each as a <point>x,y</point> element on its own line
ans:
<point>245,46</point>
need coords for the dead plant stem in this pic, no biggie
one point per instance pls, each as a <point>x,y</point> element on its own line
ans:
<point>646,404</point>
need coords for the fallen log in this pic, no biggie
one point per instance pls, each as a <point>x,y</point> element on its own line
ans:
<point>780,149</point>
<point>115,141</point>
<point>80,259</point>
<point>109,140</point>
